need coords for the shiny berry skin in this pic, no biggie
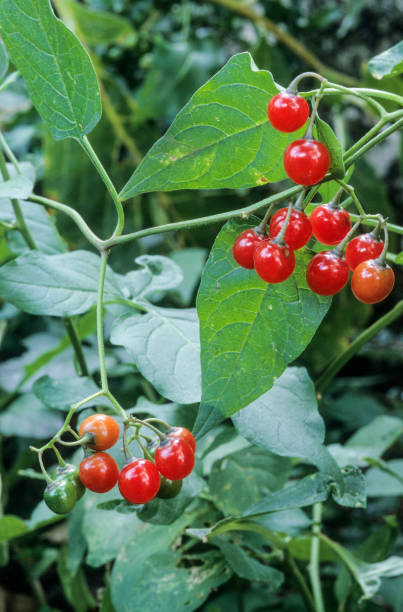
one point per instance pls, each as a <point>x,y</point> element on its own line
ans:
<point>60,496</point>
<point>372,281</point>
<point>287,112</point>
<point>169,488</point>
<point>70,472</point>
<point>103,428</point>
<point>327,273</point>
<point>184,434</point>
<point>298,230</point>
<point>330,224</point>
<point>99,472</point>
<point>274,263</point>
<point>174,459</point>
<point>306,161</point>
<point>361,248</point>
<point>139,481</point>
<point>244,247</point>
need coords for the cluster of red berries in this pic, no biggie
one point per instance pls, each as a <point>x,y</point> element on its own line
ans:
<point>272,256</point>
<point>170,459</point>
<point>306,161</point>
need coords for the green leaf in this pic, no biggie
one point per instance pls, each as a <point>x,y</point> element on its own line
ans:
<point>221,138</point>
<point>41,226</point>
<point>247,567</point>
<point>381,483</point>
<point>387,64</point>
<point>399,259</point>
<point>99,27</point>
<point>27,417</point>
<point>158,274</point>
<point>244,477</point>
<point>58,73</point>
<point>329,189</point>
<point>354,489</point>
<point>191,261</point>
<point>16,187</point>
<point>325,134</point>
<point>75,586</point>
<point>164,345</point>
<point>286,421</point>
<point>58,285</point>
<point>250,331</point>
<point>11,527</point>
<point>60,394</point>
<point>305,492</point>
<point>3,61</point>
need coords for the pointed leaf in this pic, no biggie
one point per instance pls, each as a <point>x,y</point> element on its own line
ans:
<point>58,73</point>
<point>250,331</point>
<point>325,134</point>
<point>221,138</point>
<point>387,64</point>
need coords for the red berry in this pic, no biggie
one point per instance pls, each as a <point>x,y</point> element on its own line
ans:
<point>244,247</point>
<point>103,428</point>
<point>139,481</point>
<point>330,224</point>
<point>372,281</point>
<point>99,472</point>
<point>274,263</point>
<point>361,248</point>
<point>298,229</point>
<point>174,458</point>
<point>184,434</point>
<point>287,112</point>
<point>306,161</point>
<point>327,273</point>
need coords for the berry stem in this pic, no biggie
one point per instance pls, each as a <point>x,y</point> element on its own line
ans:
<point>261,229</point>
<point>309,130</point>
<point>382,257</point>
<point>126,448</point>
<point>146,452</point>
<point>339,249</point>
<point>293,86</point>
<point>59,458</point>
<point>80,442</point>
<point>349,189</point>
<point>279,239</point>
<point>376,232</point>
<point>299,204</point>
<point>154,420</point>
<point>134,420</point>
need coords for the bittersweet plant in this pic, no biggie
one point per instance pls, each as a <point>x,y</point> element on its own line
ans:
<point>233,355</point>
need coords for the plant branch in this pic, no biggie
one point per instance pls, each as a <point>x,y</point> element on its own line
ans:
<point>100,321</point>
<point>77,347</point>
<point>350,159</point>
<point>287,39</point>
<point>355,346</point>
<point>314,572</point>
<point>85,143</point>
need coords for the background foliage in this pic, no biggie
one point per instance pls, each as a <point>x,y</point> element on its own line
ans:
<point>150,57</point>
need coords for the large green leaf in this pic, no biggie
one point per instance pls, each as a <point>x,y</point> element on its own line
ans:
<point>3,60</point>
<point>325,134</point>
<point>387,481</point>
<point>285,420</point>
<point>18,186</point>
<point>387,64</point>
<point>164,344</point>
<point>11,527</point>
<point>58,285</point>
<point>221,138</point>
<point>250,331</point>
<point>58,73</point>
<point>27,417</point>
<point>59,394</point>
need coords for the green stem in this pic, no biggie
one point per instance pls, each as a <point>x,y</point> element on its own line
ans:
<point>349,189</point>
<point>100,321</point>
<point>77,347</point>
<point>361,92</point>
<point>305,592</point>
<point>355,346</point>
<point>134,420</point>
<point>339,550</point>
<point>371,143</point>
<point>314,567</point>
<point>396,229</point>
<point>119,409</point>
<point>21,225</point>
<point>85,143</point>
<point>9,153</point>
<point>43,470</point>
<point>9,80</point>
<point>73,214</point>
<point>60,459</point>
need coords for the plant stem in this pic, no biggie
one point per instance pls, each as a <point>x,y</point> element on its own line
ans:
<point>349,189</point>
<point>292,43</point>
<point>73,214</point>
<point>100,321</point>
<point>85,143</point>
<point>339,550</point>
<point>21,225</point>
<point>305,592</point>
<point>77,347</point>
<point>396,229</point>
<point>355,346</point>
<point>361,92</point>
<point>314,566</point>
<point>371,143</point>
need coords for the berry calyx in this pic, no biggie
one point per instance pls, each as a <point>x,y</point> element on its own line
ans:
<point>99,472</point>
<point>274,262</point>
<point>306,161</point>
<point>103,429</point>
<point>60,495</point>
<point>330,223</point>
<point>327,273</point>
<point>287,112</point>
<point>139,481</point>
<point>361,248</point>
<point>184,434</point>
<point>372,281</point>
<point>174,459</point>
<point>244,247</point>
<point>298,231</point>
